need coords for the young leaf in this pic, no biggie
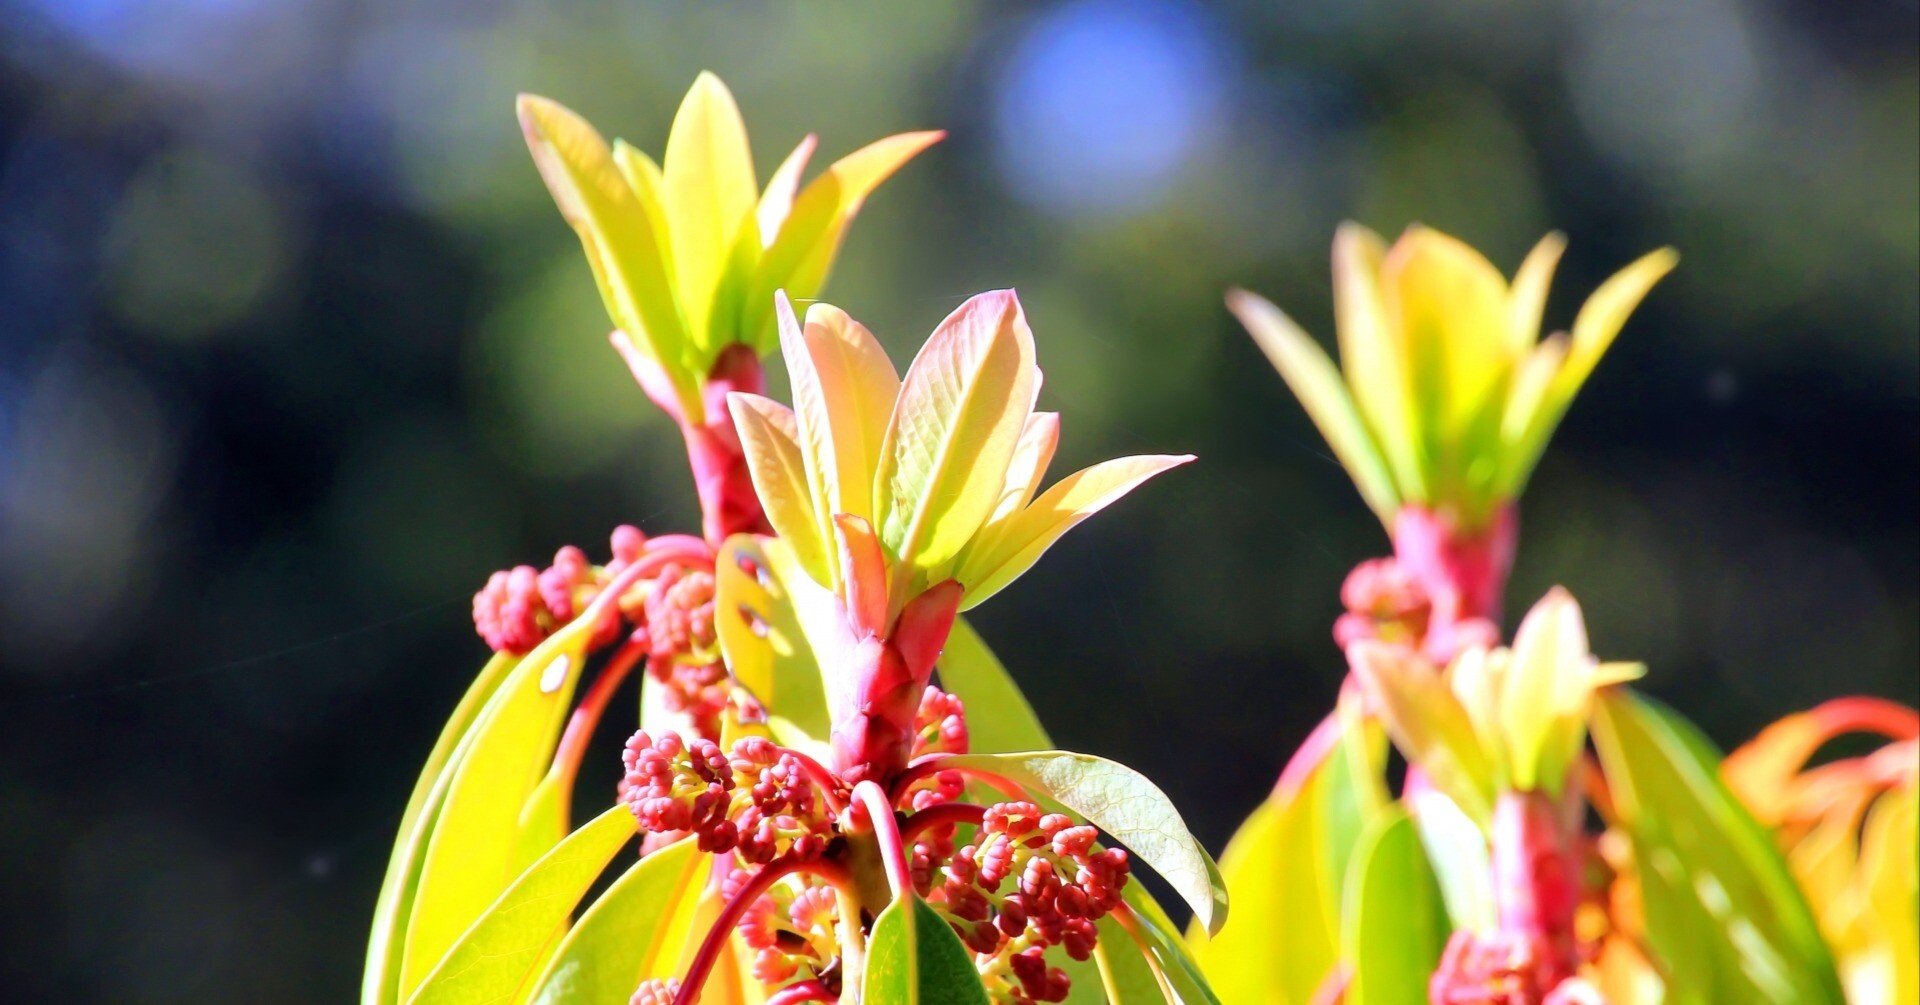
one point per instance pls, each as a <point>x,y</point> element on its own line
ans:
<point>710,197</point>
<point>1427,721</point>
<point>1180,976</point>
<point>844,388</point>
<point>1724,917</point>
<point>380,982</point>
<point>1122,802</point>
<point>1034,529</point>
<point>769,436</point>
<point>1313,379</point>
<point>494,958</point>
<point>913,958</point>
<point>953,430</point>
<point>798,258</point>
<point>1461,859</point>
<point>1374,361</point>
<point>635,930</point>
<point>1394,927</point>
<point>467,862</point>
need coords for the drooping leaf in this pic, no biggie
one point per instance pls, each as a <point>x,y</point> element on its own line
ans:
<point>1394,927</point>
<point>1034,529</point>
<point>798,258</point>
<point>1724,917</point>
<point>914,958</point>
<point>1313,380</point>
<point>381,979</point>
<point>493,960</point>
<point>952,434</point>
<point>1166,952</point>
<point>637,929</point>
<point>1122,802</point>
<point>467,862</point>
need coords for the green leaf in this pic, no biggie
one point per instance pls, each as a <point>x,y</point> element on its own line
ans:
<point>1724,917</point>
<point>635,930</point>
<point>493,960</point>
<point>1122,802</point>
<point>1394,929</point>
<point>913,958</point>
<point>474,852</point>
<point>380,983</point>
<point>999,718</point>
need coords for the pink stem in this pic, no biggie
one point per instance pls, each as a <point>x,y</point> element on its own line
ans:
<point>1308,757</point>
<point>893,851</point>
<point>928,765</point>
<point>734,910</point>
<point>940,815</point>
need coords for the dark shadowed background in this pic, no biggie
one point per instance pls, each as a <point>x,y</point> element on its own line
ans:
<point>294,350</point>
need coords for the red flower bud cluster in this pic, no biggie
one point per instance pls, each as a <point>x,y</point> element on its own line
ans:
<point>670,617</point>
<point>1059,884</point>
<point>757,801</point>
<point>792,931</point>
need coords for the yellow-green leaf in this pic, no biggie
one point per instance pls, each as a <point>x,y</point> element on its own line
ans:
<point>1724,918</point>
<point>1549,679</point>
<point>493,961</point>
<point>710,199</point>
<point>1315,382</point>
<point>1427,722</point>
<point>620,241</point>
<point>1527,300</point>
<point>843,393</point>
<point>914,958</point>
<point>473,854</point>
<point>1451,307</point>
<point>635,930</point>
<point>757,615</point>
<point>798,258</point>
<point>380,982</point>
<point>1034,529</point>
<point>1394,927</point>
<point>1373,356</point>
<point>769,436</point>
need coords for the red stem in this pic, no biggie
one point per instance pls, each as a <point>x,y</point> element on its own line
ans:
<point>735,909</point>
<point>928,765</point>
<point>586,717</point>
<point>826,781</point>
<point>938,816</point>
<point>886,829</point>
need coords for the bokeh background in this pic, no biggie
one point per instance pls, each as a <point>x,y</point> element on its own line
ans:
<point>294,350</point>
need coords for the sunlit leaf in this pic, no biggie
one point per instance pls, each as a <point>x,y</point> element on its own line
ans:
<point>493,960</point>
<point>962,406</point>
<point>1059,509</point>
<point>798,258</point>
<point>1451,305</point>
<point>710,200</point>
<point>844,388</point>
<point>914,958</point>
<point>1461,860</point>
<point>635,930</point>
<point>1313,379</point>
<point>769,436</point>
<point>1429,724</point>
<point>762,636</point>
<point>1122,802</point>
<point>1166,952</point>
<point>467,862</point>
<point>1724,917</point>
<point>380,982</point>
<point>1394,928</point>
